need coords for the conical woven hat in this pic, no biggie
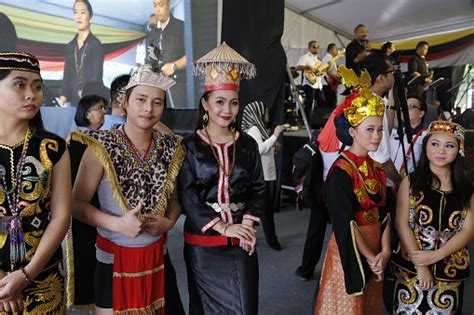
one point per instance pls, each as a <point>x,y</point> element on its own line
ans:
<point>223,68</point>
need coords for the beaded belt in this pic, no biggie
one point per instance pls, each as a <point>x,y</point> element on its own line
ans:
<point>226,206</point>
<point>30,223</point>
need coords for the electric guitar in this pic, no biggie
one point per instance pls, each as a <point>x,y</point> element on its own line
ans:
<point>319,69</point>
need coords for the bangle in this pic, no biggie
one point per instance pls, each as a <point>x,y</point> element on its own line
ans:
<point>225,229</point>
<point>28,281</point>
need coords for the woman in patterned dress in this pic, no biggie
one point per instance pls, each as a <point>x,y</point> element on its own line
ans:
<point>35,194</point>
<point>435,225</point>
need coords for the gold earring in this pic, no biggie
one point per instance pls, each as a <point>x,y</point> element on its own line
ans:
<point>205,119</point>
<point>232,127</point>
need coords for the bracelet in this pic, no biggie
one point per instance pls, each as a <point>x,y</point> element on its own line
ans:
<point>28,281</point>
<point>225,229</point>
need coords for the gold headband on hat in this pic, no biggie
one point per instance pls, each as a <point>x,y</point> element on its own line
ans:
<point>19,61</point>
<point>223,68</point>
<point>362,103</point>
<point>449,128</point>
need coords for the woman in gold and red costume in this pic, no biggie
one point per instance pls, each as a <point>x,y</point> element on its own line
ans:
<point>359,247</point>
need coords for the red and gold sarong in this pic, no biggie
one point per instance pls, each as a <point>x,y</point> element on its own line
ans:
<point>138,284</point>
<point>332,297</point>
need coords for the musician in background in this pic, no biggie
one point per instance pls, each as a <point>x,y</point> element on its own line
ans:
<point>418,66</point>
<point>358,48</point>
<point>330,80</point>
<point>168,34</point>
<point>308,63</point>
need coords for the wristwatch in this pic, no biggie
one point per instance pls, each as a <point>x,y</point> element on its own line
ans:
<point>175,67</point>
<point>391,107</point>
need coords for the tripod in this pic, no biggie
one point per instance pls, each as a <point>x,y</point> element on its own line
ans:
<point>296,96</point>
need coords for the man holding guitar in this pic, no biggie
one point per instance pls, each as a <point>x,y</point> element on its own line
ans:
<point>330,81</point>
<point>312,85</point>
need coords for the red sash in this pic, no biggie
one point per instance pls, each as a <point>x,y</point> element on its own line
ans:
<point>202,240</point>
<point>138,283</point>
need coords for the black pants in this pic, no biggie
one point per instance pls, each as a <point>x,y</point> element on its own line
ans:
<point>313,245</point>
<point>268,220</point>
<point>103,282</point>
<point>310,95</point>
<point>329,96</point>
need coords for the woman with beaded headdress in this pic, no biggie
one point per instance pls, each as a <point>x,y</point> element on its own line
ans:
<point>133,169</point>
<point>359,247</point>
<point>435,224</point>
<point>35,194</point>
<point>222,192</point>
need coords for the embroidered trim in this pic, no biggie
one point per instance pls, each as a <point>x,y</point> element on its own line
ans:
<point>252,217</point>
<point>353,225</point>
<point>210,224</point>
<point>147,310</point>
<point>70,292</point>
<point>138,274</point>
<point>170,182</point>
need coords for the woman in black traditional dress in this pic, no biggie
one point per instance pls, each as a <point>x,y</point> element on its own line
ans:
<point>222,192</point>
<point>84,59</point>
<point>35,194</point>
<point>435,225</point>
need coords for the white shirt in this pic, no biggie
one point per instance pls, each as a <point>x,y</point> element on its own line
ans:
<point>311,60</point>
<point>267,153</point>
<point>397,152</point>
<point>332,68</point>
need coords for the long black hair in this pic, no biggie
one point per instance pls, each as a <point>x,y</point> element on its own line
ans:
<point>201,123</point>
<point>36,122</point>
<point>424,178</point>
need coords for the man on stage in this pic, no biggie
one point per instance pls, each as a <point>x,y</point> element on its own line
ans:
<point>357,49</point>
<point>417,66</point>
<point>312,86</point>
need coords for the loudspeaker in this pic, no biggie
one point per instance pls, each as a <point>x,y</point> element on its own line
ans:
<point>320,115</point>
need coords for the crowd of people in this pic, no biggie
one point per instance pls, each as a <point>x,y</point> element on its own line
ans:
<point>400,209</point>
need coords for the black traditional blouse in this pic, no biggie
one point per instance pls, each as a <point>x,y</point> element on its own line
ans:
<point>355,195</point>
<point>207,196</point>
<point>435,217</point>
<point>43,151</point>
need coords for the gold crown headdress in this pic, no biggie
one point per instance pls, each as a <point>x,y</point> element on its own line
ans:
<point>223,68</point>
<point>449,128</point>
<point>362,103</point>
<point>145,75</point>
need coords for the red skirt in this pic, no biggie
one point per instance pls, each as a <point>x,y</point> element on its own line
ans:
<point>138,284</point>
